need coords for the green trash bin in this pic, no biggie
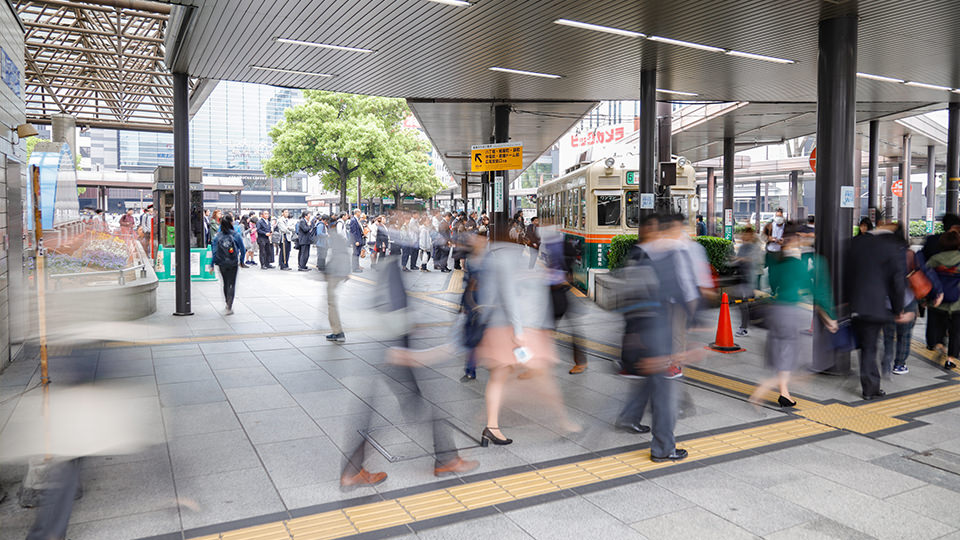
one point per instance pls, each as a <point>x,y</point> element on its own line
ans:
<point>201,264</point>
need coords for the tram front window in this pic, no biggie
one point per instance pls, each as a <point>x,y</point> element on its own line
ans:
<point>608,210</point>
<point>632,212</point>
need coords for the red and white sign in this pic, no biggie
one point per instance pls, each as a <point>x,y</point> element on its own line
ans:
<point>897,188</point>
<point>604,135</point>
<point>813,159</point>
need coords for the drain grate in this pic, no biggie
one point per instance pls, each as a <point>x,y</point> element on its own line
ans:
<point>939,459</point>
<point>402,442</point>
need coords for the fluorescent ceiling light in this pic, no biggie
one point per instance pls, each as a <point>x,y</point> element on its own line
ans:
<point>312,74</point>
<point>879,78</point>
<point>956,90</point>
<point>760,57</point>
<point>599,28</point>
<point>925,85</point>
<point>685,44</point>
<point>460,3</point>
<point>665,91</point>
<point>324,45</point>
<point>521,72</point>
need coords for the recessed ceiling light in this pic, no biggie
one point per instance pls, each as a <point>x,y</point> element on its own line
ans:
<point>521,72</point>
<point>294,71</point>
<point>925,85</point>
<point>459,3</point>
<point>677,92</point>
<point>685,44</point>
<point>760,57</point>
<point>879,78</point>
<point>324,45</point>
<point>599,28</point>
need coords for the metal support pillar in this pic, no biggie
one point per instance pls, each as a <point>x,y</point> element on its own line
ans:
<point>711,201</point>
<point>953,158</point>
<point>872,171</point>
<point>794,195</point>
<point>931,186</point>
<point>888,194</point>
<point>181,190</point>
<point>648,130</point>
<point>484,193</point>
<point>728,155</point>
<point>836,134</point>
<point>857,186</point>
<point>501,200</point>
<point>664,132</point>
<point>905,198</point>
<point>758,204</point>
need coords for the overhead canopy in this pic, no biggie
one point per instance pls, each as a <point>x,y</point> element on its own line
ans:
<point>454,126</point>
<point>424,50</point>
<point>100,61</point>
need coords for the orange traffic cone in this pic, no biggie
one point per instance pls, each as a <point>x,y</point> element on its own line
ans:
<point>724,342</point>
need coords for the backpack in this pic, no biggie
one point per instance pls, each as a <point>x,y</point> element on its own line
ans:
<point>227,250</point>
<point>950,282</point>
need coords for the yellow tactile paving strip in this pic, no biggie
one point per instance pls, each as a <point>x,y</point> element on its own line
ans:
<point>485,493</point>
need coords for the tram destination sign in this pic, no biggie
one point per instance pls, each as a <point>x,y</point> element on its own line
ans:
<point>496,157</point>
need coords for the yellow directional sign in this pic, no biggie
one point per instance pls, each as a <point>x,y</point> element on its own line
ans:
<point>496,157</point>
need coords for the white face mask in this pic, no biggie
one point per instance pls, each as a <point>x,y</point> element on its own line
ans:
<point>778,220</point>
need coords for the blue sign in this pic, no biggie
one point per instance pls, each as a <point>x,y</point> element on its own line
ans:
<point>11,73</point>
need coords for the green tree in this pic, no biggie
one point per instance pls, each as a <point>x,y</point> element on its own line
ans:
<point>402,167</point>
<point>333,134</point>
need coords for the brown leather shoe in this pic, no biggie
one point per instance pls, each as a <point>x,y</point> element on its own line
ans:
<point>361,479</point>
<point>577,369</point>
<point>454,466</point>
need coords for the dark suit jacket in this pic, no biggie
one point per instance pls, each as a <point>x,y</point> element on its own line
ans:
<point>304,232</point>
<point>875,276</point>
<point>356,230</point>
<point>444,231</point>
<point>263,227</point>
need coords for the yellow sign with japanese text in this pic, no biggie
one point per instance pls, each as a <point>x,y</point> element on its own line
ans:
<point>496,157</point>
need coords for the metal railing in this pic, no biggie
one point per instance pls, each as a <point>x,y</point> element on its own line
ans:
<point>121,278</point>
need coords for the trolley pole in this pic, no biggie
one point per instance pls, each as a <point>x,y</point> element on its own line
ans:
<point>953,158</point>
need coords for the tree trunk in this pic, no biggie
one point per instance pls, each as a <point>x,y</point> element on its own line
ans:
<point>396,200</point>
<point>343,194</point>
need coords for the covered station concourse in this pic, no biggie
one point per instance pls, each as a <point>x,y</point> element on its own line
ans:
<point>253,410</point>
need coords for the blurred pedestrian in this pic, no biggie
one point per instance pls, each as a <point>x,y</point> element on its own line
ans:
<point>745,264</point>
<point>337,270</point>
<point>426,242</point>
<point>875,286</point>
<point>773,236</point>
<point>228,253</point>
<point>322,232</point>
<point>945,317</point>
<point>897,335</point>
<point>792,282</point>
<point>286,228</point>
<point>356,239</point>
<point>552,247</point>
<point>264,232</point>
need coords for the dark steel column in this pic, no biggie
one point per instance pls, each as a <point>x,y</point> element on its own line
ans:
<point>664,131</point>
<point>181,190</point>
<point>905,199</point>
<point>794,195</point>
<point>728,155</point>
<point>888,194</point>
<point>648,130</point>
<point>484,194</point>
<point>756,223</point>
<point>931,186</point>
<point>953,158</point>
<point>872,171</point>
<point>711,202</point>
<point>836,133</point>
<point>501,134</point>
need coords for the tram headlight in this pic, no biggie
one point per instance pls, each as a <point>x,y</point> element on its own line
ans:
<point>609,162</point>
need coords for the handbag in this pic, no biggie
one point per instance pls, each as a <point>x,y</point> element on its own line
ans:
<point>916,278</point>
<point>843,341</point>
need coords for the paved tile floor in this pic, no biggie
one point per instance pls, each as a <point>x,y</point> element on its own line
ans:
<point>256,410</point>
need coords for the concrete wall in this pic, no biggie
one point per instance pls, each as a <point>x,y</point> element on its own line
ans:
<point>12,176</point>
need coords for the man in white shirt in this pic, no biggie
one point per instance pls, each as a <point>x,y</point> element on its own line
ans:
<point>285,226</point>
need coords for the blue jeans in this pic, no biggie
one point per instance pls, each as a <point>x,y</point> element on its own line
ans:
<point>896,355</point>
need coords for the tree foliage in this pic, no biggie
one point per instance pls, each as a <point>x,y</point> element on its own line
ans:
<point>345,136</point>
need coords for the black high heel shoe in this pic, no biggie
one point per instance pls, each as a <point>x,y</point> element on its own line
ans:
<point>487,437</point>
<point>784,402</point>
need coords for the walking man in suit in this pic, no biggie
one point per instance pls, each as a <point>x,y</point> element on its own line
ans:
<point>874,280</point>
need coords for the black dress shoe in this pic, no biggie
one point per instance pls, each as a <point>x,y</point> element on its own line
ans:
<point>488,437</point>
<point>784,402</point>
<point>878,395</point>
<point>949,364</point>
<point>634,427</point>
<point>677,455</point>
